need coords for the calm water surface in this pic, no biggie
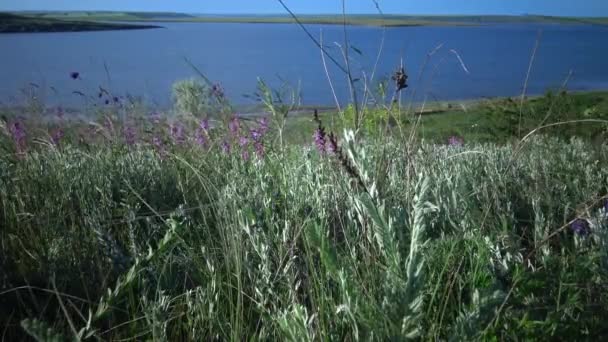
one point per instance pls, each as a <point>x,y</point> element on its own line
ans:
<point>146,62</point>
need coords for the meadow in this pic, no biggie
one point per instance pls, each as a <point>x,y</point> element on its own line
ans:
<point>479,220</point>
<point>373,223</point>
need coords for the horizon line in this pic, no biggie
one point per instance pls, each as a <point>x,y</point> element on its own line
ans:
<point>310,14</point>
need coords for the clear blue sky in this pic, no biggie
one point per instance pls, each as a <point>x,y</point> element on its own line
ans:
<point>547,7</point>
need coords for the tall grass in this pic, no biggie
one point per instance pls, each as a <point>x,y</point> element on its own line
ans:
<point>177,229</point>
<point>120,242</point>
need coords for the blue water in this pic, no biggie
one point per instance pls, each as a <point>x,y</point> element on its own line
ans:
<point>146,62</point>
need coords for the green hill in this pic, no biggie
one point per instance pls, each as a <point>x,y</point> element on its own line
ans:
<point>12,23</point>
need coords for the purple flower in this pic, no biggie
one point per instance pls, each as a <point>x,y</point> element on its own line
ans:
<point>75,75</point>
<point>319,137</point>
<point>263,125</point>
<point>17,130</point>
<point>204,125</point>
<point>159,145</point>
<point>18,134</point>
<point>129,135</point>
<point>580,227</point>
<point>177,133</point>
<point>243,141</point>
<point>256,135</point>
<point>234,126</point>
<point>332,146</point>
<point>245,155</point>
<point>157,142</point>
<point>225,147</point>
<point>201,137</point>
<point>56,136</point>
<point>455,141</point>
<point>259,149</point>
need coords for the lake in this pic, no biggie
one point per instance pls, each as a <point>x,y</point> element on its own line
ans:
<point>146,62</point>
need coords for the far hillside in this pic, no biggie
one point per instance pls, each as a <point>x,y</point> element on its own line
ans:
<point>12,23</point>
<point>110,15</point>
<point>360,19</point>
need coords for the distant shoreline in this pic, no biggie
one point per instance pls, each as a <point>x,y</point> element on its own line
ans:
<point>249,111</point>
<point>353,20</point>
<point>10,23</point>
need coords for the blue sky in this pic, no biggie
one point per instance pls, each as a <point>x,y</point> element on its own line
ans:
<point>547,7</point>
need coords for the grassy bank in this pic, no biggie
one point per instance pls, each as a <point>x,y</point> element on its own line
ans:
<point>171,228</point>
<point>10,23</point>
<point>476,121</point>
<point>362,20</point>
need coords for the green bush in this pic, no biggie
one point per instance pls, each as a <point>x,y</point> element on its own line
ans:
<point>191,97</point>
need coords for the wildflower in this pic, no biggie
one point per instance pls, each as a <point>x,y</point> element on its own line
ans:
<point>225,147</point>
<point>580,227</point>
<point>319,137</point>
<point>245,155</point>
<point>256,135</point>
<point>455,141</point>
<point>177,133</point>
<point>129,135</point>
<point>263,125</point>
<point>157,142</point>
<point>233,126</point>
<point>243,141</point>
<point>75,75</point>
<point>18,134</point>
<point>332,146</point>
<point>204,124</point>
<point>57,136</point>
<point>201,137</point>
<point>259,149</point>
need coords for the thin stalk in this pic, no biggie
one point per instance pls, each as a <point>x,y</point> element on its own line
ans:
<point>351,83</point>
<point>523,93</point>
